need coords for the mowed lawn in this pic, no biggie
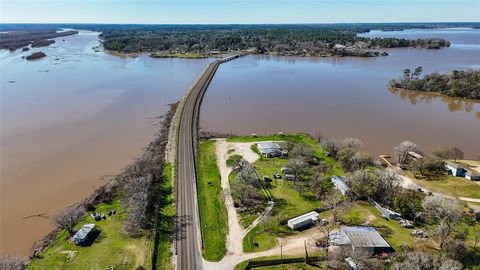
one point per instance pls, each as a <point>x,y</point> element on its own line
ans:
<point>288,201</point>
<point>213,213</point>
<point>111,247</point>
<point>451,185</point>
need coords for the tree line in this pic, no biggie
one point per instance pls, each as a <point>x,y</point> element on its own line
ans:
<point>457,83</point>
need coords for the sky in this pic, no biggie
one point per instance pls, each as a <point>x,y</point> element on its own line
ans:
<point>237,12</point>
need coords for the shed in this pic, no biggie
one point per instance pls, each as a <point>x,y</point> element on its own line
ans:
<point>339,183</point>
<point>82,234</point>
<point>303,220</point>
<point>365,238</point>
<point>385,212</point>
<point>269,149</point>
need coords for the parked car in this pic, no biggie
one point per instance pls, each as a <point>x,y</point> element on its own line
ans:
<point>405,223</point>
<point>277,176</point>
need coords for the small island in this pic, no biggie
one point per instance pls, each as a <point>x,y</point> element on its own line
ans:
<point>35,56</point>
<point>457,83</point>
<point>13,40</point>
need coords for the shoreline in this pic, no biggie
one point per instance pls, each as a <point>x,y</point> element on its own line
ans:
<point>436,94</point>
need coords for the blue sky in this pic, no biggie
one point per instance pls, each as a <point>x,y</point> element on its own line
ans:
<point>237,12</point>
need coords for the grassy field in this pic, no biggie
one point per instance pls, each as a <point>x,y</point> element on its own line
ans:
<point>166,225</point>
<point>288,201</point>
<point>363,212</point>
<point>293,266</point>
<point>449,184</point>
<point>213,213</point>
<point>111,247</point>
<point>187,55</point>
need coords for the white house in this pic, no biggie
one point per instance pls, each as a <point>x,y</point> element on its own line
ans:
<point>456,169</point>
<point>339,183</point>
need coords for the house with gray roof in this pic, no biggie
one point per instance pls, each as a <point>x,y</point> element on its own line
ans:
<point>270,149</point>
<point>81,235</point>
<point>365,238</point>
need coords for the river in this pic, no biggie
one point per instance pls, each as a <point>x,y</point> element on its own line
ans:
<point>348,97</point>
<point>71,120</point>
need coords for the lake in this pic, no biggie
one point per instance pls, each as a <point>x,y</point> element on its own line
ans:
<point>71,120</point>
<point>349,97</point>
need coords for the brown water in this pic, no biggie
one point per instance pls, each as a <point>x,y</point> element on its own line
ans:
<point>68,123</point>
<point>348,97</point>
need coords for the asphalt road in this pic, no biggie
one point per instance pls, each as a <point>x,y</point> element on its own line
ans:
<point>188,241</point>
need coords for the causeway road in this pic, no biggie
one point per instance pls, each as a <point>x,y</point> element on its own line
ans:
<point>188,235</point>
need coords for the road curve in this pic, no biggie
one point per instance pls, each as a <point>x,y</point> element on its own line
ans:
<point>188,235</point>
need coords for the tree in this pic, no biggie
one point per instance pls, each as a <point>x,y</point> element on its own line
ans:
<point>326,231</point>
<point>431,165</point>
<point>445,212</point>
<point>426,261</point>
<point>388,185</point>
<point>408,202</point>
<point>417,72</point>
<point>401,151</point>
<point>334,201</point>
<point>363,183</point>
<point>8,262</point>
<point>68,218</point>
<point>297,166</point>
<point>331,145</point>
<point>300,150</point>
<point>457,153</point>
<point>406,73</point>
<point>352,143</point>
<point>317,184</point>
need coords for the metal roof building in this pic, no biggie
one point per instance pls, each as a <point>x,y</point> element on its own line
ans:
<point>269,149</point>
<point>339,183</point>
<point>303,220</point>
<point>82,234</point>
<point>366,238</point>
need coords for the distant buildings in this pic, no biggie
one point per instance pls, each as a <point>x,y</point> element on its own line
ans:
<point>270,149</point>
<point>82,235</point>
<point>303,221</point>
<point>364,238</point>
<point>339,183</point>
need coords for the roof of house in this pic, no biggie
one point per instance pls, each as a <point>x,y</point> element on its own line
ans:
<point>339,182</point>
<point>268,147</point>
<point>415,154</point>
<point>454,165</point>
<point>84,231</point>
<point>364,236</point>
<point>308,216</point>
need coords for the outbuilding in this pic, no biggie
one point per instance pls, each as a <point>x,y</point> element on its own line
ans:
<point>456,169</point>
<point>303,221</point>
<point>470,175</point>
<point>82,235</point>
<point>364,238</point>
<point>339,183</point>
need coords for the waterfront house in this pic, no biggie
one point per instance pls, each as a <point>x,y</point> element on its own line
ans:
<point>270,149</point>
<point>303,221</point>
<point>364,238</point>
<point>82,235</point>
<point>456,169</point>
<point>470,175</point>
<point>339,183</point>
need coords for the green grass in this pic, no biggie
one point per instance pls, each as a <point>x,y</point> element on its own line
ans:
<point>166,225</point>
<point>111,247</point>
<point>288,201</point>
<point>187,55</point>
<point>449,184</point>
<point>317,265</point>
<point>232,159</point>
<point>394,234</point>
<point>213,213</point>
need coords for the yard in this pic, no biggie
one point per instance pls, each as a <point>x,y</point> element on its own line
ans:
<point>110,248</point>
<point>288,201</point>
<point>213,213</point>
<point>449,184</point>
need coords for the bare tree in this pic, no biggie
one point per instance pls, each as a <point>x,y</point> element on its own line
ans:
<point>426,261</point>
<point>8,262</point>
<point>317,184</point>
<point>69,217</point>
<point>401,151</point>
<point>388,186</point>
<point>457,153</point>
<point>326,230</point>
<point>300,150</point>
<point>297,166</point>
<point>363,183</point>
<point>445,212</point>
<point>331,145</point>
<point>352,143</point>
<point>334,201</point>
